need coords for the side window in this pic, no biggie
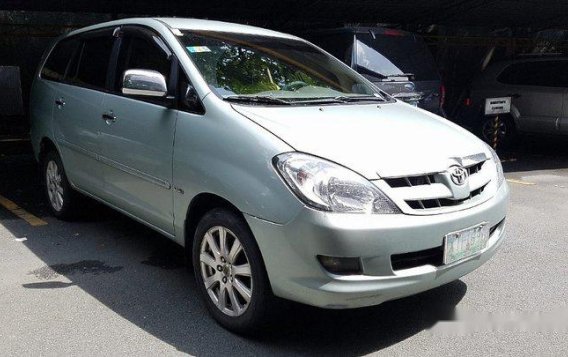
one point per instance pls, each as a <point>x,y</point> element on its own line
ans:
<point>539,73</point>
<point>554,74</point>
<point>138,52</point>
<point>94,62</point>
<point>516,74</point>
<point>188,99</point>
<point>58,60</point>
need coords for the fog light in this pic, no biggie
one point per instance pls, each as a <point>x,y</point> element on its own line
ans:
<point>341,266</point>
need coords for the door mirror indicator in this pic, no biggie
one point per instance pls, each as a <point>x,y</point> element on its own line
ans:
<point>144,82</point>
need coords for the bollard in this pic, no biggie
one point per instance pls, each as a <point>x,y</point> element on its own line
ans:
<point>495,131</point>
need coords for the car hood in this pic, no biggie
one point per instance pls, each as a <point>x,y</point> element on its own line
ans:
<point>386,140</point>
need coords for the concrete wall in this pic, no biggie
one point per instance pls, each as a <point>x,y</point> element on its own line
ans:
<point>24,36</point>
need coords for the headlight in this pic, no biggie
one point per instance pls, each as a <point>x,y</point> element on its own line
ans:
<point>327,186</point>
<point>497,161</point>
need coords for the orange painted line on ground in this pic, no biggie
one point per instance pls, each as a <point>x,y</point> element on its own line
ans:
<point>520,182</point>
<point>20,212</point>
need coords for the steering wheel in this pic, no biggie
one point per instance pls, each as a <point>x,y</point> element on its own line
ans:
<point>294,86</point>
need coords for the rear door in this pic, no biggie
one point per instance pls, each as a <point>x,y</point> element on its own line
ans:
<point>77,106</point>
<point>538,94</point>
<point>137,146</point>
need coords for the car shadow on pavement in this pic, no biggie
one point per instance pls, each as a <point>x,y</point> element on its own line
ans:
<point>533,153</point>
<point>141,276</point>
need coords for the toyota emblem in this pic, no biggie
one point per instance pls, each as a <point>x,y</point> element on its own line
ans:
<point>458,175</point>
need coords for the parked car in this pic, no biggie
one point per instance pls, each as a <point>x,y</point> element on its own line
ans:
<point>396,61</point>
<point>538,88</point>
<point>281,170</point>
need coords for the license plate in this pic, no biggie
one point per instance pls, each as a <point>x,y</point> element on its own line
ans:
<point>465,243</point>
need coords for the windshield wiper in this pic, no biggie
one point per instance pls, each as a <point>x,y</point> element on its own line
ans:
<point>341,99</point>
<point>359,98</point>
<point>260,99</point>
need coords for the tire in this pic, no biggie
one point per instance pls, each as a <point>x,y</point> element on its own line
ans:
<point>62,200</point>
<point>234,312</point>
<point>506,131</point>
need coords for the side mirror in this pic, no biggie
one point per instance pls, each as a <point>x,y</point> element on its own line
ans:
<point>144,82</point>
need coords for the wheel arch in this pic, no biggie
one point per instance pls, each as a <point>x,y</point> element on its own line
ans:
<point>198,207</point>
<point>46,145</point>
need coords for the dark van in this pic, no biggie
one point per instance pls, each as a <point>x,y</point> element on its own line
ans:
<point>398,62</point>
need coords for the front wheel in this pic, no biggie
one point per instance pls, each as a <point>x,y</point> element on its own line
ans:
<point>230,272</point>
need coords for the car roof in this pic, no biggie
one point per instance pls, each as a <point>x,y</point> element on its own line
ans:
<point>496,68</point>
<point>220,26</point>
<point>189,24</point>
<point>528,59</point>
<point>525,59</point>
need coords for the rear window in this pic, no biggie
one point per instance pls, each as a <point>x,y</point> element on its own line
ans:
<point>540,73</point>
<point>381,55</point>
<point>58,60</point>
<point>94,62</point>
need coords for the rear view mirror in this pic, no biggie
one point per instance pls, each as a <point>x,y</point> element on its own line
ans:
<point>144,82</point>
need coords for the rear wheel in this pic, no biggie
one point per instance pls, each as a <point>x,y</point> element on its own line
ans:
<point>230,272</point>
<point>61,198</point>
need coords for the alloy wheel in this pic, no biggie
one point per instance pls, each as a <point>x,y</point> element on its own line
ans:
<point>54,185</point>
<point>226,271</point>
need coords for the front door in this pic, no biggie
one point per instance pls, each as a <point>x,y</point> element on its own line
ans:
<point>137,142</point>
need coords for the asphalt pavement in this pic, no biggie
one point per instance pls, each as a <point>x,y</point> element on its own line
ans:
<point>106,285</point>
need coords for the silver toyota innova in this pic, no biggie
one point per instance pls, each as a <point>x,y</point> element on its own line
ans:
<point>281,170</point>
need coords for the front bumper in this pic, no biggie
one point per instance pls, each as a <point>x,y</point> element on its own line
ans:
<point>289,252</point>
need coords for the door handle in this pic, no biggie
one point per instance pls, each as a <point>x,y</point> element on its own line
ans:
<point>60,102</point>
<point>109,117</point>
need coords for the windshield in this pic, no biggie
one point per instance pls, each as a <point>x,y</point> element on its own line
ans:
<point>238,66</point>
<point>391,55</point>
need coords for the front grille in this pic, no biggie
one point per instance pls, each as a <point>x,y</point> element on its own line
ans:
<point>443,202</point>
<point>494,228</point>
<point>473,169</point>
<point>434,190</point>
<point>432,256</point>
<point>410,181</point>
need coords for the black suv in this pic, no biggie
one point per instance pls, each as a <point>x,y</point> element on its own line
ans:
<point>398,62</point>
